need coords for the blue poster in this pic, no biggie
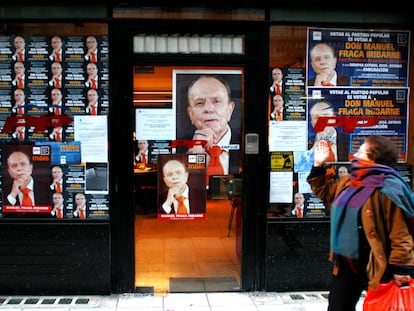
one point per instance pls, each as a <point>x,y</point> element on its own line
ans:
<point>345,116</point>
<point>64,153</point>
<point>357,58</point>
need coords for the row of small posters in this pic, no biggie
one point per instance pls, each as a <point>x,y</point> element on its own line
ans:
<point>54,102</point>
<point>370,97</point>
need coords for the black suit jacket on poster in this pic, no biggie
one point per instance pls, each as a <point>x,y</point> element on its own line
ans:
<point>41,191</point>
<point>342,146</point>
<point>304,211</point>
<point>197,199</point>
<point>273,93</point>
<point>341,81</point>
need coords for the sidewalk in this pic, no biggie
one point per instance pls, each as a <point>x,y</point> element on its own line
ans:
<point>252,301</point>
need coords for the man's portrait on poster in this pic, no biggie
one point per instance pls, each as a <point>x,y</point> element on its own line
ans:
<point>186,127</point>
<point>19,76</point>
<point>323,60</point>
<point>58,210</point>
<point>80,207</point>
<point>19,134</point>
<point>19,45</point>
<point>19,98</point>
<point>56,53</point>
<point>21,172</point>
<point>176,179</point>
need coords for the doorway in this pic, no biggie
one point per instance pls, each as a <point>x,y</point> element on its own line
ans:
<point>187,256</point>
<point>190,255</point>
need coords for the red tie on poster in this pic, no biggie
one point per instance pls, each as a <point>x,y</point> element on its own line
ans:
<point>300,212</point>
<point>57,111</point>
<point>59,213</point>
<point>278,90</point>
<point>181,209</point>
<point>214,165</point>
<point>279,116</point>
<point>144,159</point>
<point>21,57</point>
<point>20,85</point>
<point>58,57</point>
<point>20,110</point>
<point>27,200</point>
<point>93,57</point>
<point>58,187</point>
<point>93,84</point>
<point>57,83</point>
<point>81,214</point>
<point>58,136</point>
<point>21,135</point>
<point>93,112</point>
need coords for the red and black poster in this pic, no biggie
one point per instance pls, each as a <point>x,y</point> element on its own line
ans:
<point>182,187</point>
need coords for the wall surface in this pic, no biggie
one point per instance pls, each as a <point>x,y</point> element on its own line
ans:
<point>44,258</point>
<point>297,255</point>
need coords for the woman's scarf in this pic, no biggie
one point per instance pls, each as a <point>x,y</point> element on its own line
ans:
<point>366,176</point>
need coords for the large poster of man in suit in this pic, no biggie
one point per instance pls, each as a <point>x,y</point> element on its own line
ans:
<point>208,106</point>
<point>25,178</point>
<point>181,187</point>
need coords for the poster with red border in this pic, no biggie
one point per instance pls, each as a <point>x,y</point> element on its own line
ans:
<point>182,175</point>
<point>26,167</point>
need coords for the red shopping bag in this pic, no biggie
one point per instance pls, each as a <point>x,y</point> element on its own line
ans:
<point>390,297</point>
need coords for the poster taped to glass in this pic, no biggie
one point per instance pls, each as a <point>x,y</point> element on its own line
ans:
<point>357,58</point>
<point>25,178</point>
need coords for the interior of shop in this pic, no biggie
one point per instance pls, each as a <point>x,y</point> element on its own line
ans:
<point>180,255</point>
<point>188,256</point>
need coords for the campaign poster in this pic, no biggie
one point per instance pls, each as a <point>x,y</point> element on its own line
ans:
<point>26,179</point>
<point>226,126</point>
<point>313,206</point>
<point>47,81</point>
<point>55,75</point>
<point>182,187</point>
<point>357,57</point>
<point>344,117</point>
<point>304,203</point>
<point>287,94</point>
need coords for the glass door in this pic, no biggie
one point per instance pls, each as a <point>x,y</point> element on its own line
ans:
<point>181,112</point>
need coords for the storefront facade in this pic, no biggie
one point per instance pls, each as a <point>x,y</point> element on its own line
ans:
<point>96,255</point>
